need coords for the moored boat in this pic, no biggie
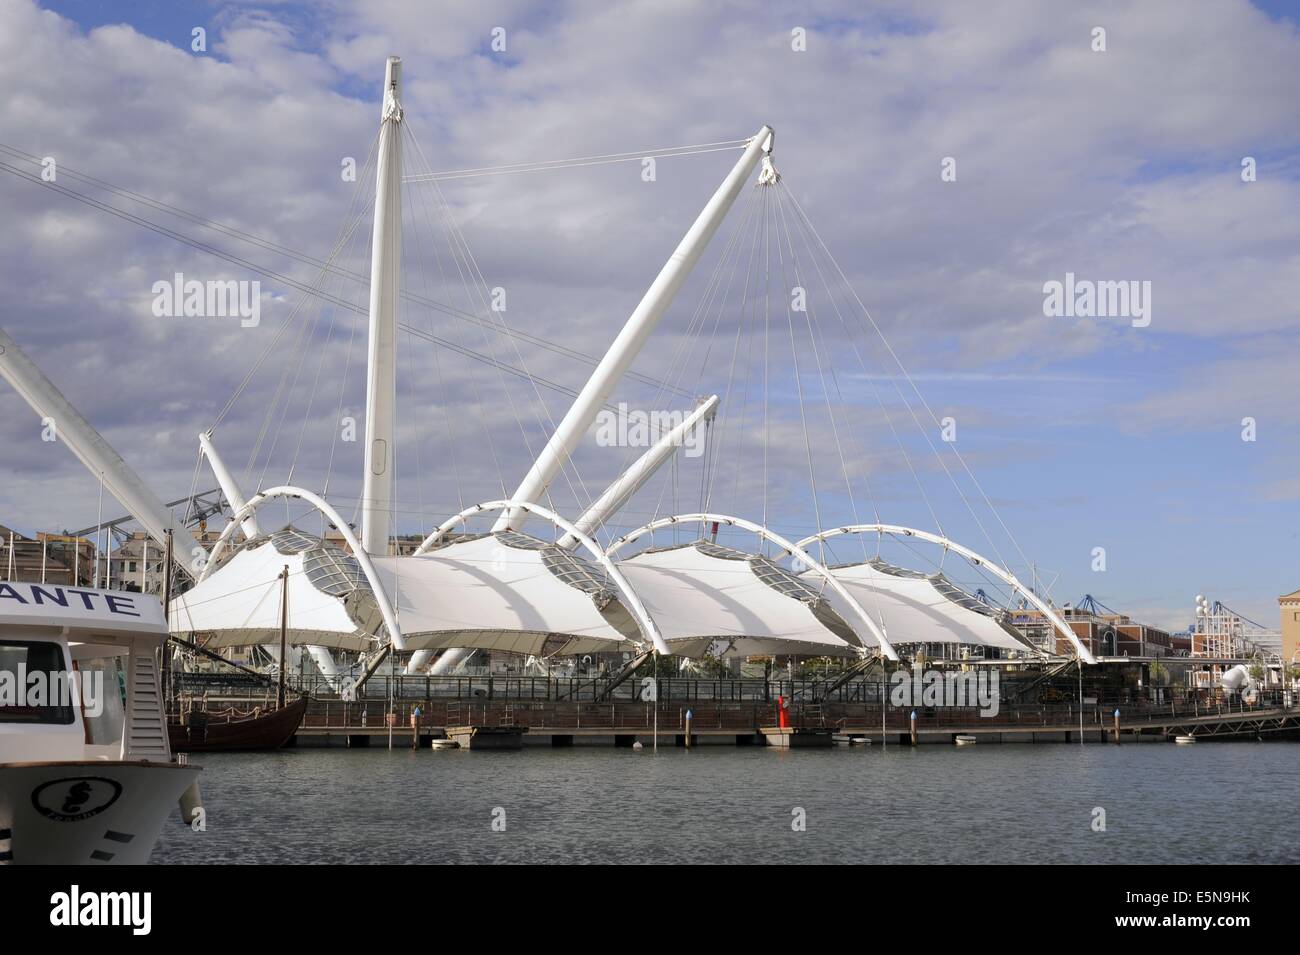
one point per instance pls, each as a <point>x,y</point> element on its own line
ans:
<point>194,724</point>
<point>232,729</point>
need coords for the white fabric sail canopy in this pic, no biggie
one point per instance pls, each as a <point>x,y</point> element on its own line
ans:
<point>702,594</point>
<point>915,608</point>
<point>239,603</point>
<point>504,591</point>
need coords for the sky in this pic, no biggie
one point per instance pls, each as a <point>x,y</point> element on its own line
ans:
<point>1080,432</point>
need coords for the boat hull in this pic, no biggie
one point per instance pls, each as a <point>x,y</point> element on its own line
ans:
<point>268,731</point>
<point>86,812</point>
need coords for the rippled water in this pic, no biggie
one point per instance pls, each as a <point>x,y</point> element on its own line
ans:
<point>1212,802</point>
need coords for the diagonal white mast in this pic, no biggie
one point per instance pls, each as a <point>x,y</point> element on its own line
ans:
<point>385,278</point>
<point>630,340</point>
<point>229,486</point>
<point>644,468</point>
<point>80,437</point>
<point>613,366</point>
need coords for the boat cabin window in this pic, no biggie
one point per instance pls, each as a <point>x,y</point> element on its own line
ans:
<point>104,712</point>
<point>35,686</point>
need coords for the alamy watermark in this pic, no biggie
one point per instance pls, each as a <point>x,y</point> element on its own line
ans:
<point>43,689</point>
<point>634,428</point>
<point>1084,298</point>
<point>974,688</point>
<point>74,908</point>
<point>189,298</point>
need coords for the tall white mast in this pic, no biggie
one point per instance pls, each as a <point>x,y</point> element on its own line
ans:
<point>633,336</point>
<point>385,278</point>
<point>74,431</point>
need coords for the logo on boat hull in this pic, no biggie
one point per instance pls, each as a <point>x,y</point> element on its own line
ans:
<point>75,798</point>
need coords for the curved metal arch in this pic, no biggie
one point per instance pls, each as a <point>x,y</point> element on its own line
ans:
<point>978,559</point>
<point>363,559</point>
<point>642,616</point>
<point>796,549</point>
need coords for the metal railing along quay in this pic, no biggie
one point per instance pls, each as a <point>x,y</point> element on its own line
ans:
<point>860,691</point>
<point>748,716</point>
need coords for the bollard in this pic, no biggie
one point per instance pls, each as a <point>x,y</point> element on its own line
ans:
<point>912,720</point>
<point>191,803</point>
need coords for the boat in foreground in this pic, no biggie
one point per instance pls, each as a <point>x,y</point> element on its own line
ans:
<point>86,771</point>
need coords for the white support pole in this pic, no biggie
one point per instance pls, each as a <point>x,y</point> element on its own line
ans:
<point>385,279</point>
<point>630,340</point>
<point>325,663</point>
<point>229,486</point>
<point>451,658</point>
<point>635,477</point>
<point>91,449</point>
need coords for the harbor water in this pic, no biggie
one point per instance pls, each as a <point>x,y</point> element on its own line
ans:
<point>1226,802</point>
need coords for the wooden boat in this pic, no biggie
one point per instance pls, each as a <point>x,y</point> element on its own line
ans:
<point>233,729</point>
<point>229,728</point>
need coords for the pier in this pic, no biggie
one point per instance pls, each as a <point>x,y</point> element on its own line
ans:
<point>517,724</point>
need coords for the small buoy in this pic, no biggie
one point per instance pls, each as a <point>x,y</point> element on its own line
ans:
<point>637,747</point>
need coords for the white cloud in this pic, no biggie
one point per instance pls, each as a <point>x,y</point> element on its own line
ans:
<point>1116,165</point>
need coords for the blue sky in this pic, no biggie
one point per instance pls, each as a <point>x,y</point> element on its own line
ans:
<point>1116,166</point>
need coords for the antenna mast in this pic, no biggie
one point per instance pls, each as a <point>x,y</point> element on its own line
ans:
<point>385,279</point>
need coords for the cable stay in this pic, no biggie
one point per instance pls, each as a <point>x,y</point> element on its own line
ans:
<point>329,264</point>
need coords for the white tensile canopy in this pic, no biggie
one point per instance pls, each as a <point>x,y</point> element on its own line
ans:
<point>701,594</point>
<point>239,603</point>
<point>504,591</point>
<point>915,608</point>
